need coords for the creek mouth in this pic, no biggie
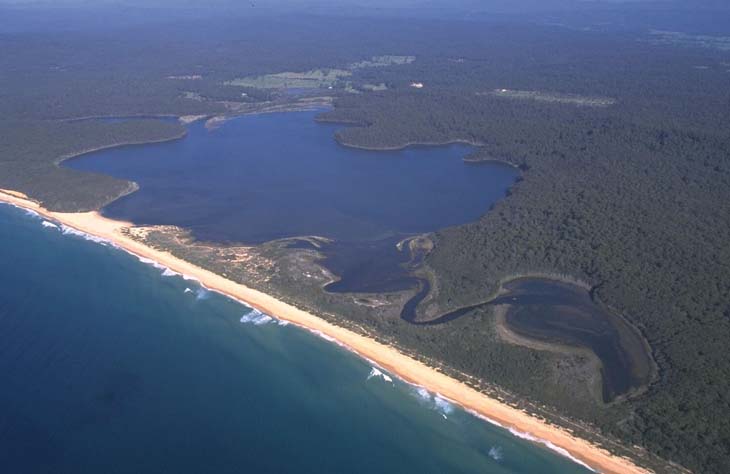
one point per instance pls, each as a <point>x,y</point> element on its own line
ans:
<point>563,314</point>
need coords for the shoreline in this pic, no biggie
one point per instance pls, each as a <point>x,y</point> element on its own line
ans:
<point>411,371</point>
<point>456,141</point>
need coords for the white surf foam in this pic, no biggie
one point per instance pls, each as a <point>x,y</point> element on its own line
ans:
<point>256,317</point>
<point>442,405</point>
<point>188,290</point>
<point>169,273</point>
<point>327,338</point>
<point>496,453</point>
<point>149,261</point>
<point>92,238</point>
<point>374,372</point>
<point>433,401</point>
<point>484,418</point>
<point>423,394</point>
<point>264,319</point>
<point>48,224</point>
<point>550,446</point>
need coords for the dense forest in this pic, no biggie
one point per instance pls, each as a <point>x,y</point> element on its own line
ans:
<point>633,197</point>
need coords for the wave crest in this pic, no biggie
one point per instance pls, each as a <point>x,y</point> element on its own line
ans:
<point>551,446</point>
<point>66,230</point>
<point>256,317</point>
<point>433,401</point>
<point>374,372</point>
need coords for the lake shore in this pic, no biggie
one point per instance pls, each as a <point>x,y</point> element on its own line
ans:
<point>410,370</point>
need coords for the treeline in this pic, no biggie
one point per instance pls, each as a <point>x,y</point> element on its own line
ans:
<point>31,150</point>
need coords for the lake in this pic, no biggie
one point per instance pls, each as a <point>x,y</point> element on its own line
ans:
<point>271,176</point>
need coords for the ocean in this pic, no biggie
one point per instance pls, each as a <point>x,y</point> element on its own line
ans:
<point>111,365</point>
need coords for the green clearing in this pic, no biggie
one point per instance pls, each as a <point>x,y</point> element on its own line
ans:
<point>315,79</point>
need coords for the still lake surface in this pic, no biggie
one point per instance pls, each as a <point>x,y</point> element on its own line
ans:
<point>107,365</point>
<point>269,176</point>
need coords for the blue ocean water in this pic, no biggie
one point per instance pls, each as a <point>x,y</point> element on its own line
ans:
<point>108,366</point>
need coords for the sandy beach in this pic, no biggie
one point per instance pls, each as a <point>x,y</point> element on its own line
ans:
<point>387,357</point>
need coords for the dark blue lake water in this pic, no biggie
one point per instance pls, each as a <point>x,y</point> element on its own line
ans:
<point>107,366</point>
<point>269,176</point>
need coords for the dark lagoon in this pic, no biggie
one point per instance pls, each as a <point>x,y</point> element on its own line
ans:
<point>271,176</point>
<point>557,312</point>
<point>263,177</point>
<point>565,314</point>
<point>110,366</point>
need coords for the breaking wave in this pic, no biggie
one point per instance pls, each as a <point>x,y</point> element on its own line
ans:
<point>256,317</point>
<point>202,294</point>
<point>77,233</point>
<point>188,290</point>
<point>442,405</point>
<point>433,401</point>
<point>49,224</point>
<point>166,271</point>
<point>149,261</point>
<point>326,337</point>
<point>378,373</point>
<point>550,446</point>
